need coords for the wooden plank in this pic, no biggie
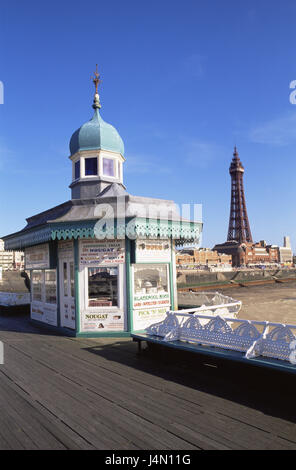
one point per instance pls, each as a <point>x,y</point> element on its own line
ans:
<point>141,407</point>
<point>110,413</point>
<point>76,390</point>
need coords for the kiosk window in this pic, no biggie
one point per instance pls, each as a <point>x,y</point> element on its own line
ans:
<point>151,279</point>
<point>37,281</point>
<point>50,286</point>
<point>103,287</point>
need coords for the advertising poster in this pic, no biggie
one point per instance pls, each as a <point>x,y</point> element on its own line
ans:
<point>152,300</point>
<point>98,252</point>
<point>37,257</point>
<point>151,296</point>
<point>45,313</point>
<point>66,250</point>
<point>149,251</point>
<point>100,321</point>
<point>144,318</point>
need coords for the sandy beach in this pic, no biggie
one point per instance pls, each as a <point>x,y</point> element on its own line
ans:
<point>272,302</point>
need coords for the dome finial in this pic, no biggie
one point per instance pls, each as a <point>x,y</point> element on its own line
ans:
<point>96,80</point>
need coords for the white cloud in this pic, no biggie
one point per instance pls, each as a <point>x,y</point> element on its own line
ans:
<point>279,131</point>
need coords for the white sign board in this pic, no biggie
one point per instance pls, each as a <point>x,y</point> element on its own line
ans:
<point>100,252</point>
<point>66,250</point>
<point>37,257</point>
<point>100,321</point>
<point>45,313</point>
<point>152,300</point>
<point>149,251</point>
<point>144,318</point>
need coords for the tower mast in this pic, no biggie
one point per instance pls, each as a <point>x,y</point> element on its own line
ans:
<point>239,227</point>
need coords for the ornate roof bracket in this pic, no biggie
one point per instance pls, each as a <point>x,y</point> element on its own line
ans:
<point>179,231</point>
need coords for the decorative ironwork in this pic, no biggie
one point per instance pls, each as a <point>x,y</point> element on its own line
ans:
<point>135,228</point>
<point>96,79</point>
<point>254,338</point>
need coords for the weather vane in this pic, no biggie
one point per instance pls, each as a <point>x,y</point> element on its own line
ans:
<point>96,79</point>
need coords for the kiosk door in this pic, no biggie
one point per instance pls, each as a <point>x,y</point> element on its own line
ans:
<point>67,293</point>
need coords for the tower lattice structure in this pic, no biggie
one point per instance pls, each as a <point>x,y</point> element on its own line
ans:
<point>239,227</point>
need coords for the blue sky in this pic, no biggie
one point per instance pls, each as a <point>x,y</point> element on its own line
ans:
<point>183,82</point>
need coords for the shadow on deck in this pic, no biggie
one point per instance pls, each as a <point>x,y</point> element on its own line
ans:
<point>268,391</point>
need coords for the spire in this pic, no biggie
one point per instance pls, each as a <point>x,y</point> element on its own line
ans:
<point>236,164</point>
<point>239,227</point>
<point>96,81</point>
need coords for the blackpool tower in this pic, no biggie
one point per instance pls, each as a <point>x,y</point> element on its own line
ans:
<point>239,227</point>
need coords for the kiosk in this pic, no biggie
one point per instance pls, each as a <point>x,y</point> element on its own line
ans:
<point>102,263</point>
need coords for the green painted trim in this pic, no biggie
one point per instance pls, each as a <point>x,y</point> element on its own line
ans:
<point>76,274</point>
<point>135,227</point>
<point>26,238</point>
<point>129,293</point>
<point>73,334</point>
<point>107,334</point>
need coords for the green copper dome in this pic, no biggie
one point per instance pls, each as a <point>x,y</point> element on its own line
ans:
<point>96,134</point>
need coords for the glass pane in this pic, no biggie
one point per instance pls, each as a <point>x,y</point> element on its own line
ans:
<point>77,170</point>
<point>108,167</point>
<point>72,278</point>
<point>91,166</point>
<point>103,287</point>
<point>37,285</point>
<point>50,286</point>
<point>151,279</point>
<point>65,276</point>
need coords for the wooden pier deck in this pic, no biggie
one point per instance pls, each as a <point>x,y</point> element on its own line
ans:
<point>70,393</point>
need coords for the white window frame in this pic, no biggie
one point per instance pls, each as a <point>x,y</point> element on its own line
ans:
<point>73,168</point>
<point>43,292</point>
<point>42,286</point>
<point>120,288</point>
<point>82,166</point>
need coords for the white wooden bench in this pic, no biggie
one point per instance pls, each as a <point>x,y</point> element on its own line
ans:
<point>262,343</point>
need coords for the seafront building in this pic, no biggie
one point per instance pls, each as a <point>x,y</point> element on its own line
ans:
<point>102,263</point>
<point>202,257</point>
